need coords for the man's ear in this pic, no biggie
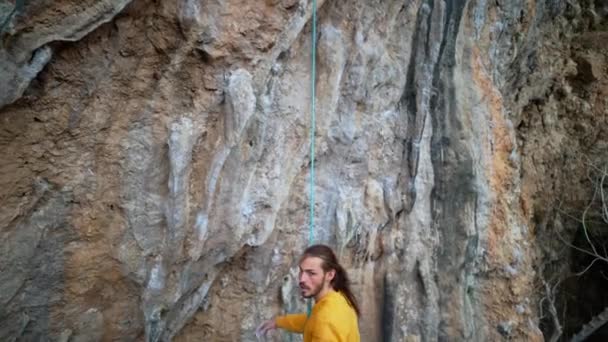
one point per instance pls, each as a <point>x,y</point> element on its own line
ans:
<point>331,275</point>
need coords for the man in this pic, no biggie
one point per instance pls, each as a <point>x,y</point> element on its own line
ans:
<point>335,313</point>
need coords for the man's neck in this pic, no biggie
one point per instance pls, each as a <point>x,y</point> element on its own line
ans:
<point>323,293</point>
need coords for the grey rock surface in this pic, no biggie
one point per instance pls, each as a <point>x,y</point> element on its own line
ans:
<point>156,164</point>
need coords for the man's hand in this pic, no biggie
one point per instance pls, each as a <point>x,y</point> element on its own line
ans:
<point>265,328</point>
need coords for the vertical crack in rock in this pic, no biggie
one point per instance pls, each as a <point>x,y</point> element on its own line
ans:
<point>458,252</point>
<point>184,167</point>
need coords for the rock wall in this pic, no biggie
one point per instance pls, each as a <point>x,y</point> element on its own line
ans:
<point>155,164</point>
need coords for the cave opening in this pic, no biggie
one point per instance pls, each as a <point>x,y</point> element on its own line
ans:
<point>582,300</point>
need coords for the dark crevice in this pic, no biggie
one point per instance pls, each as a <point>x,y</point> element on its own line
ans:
<point>388,310</point>
<point>408,102</point>
<point>408,99</point>
<point>583,297</point>
<point>453,171</point>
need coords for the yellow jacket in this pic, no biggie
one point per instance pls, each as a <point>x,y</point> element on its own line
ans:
<point>332,320</point>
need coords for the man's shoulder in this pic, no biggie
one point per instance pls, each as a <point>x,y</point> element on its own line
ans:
<point>332,310</point>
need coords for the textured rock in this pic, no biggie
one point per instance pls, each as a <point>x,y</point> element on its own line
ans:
<point>26,51</point>
<point>155,168</point>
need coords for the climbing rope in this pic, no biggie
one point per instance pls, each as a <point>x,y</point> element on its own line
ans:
<point>313,114</point>
<point>311,232</point>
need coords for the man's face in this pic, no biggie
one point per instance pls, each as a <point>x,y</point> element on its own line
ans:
<point>313,280</point>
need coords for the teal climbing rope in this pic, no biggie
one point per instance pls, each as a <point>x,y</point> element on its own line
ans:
<point>313,117</point>
<point>313,114</point>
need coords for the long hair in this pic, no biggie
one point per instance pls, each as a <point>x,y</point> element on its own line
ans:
<point>340,283</point>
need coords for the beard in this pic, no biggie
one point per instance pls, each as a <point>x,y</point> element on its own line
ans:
<point>308,292</point>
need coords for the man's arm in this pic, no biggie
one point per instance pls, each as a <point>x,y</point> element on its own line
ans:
<point>294,323</point>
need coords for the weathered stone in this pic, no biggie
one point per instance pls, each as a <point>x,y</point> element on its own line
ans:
<point>25,52</point>
<point>155,173</point>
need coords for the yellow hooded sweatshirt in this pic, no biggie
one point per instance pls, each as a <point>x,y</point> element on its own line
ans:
<point>332,320</point>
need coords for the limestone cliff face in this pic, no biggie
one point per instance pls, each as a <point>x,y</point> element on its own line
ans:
<point>155,164</point>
